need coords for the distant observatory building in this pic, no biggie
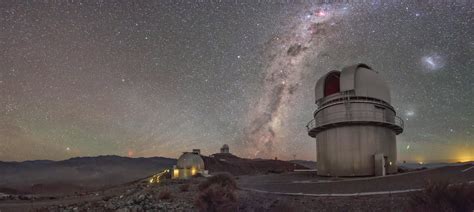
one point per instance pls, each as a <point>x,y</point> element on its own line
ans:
<point>355,126</point>
<point>188,165</point>
<point>225,149</point>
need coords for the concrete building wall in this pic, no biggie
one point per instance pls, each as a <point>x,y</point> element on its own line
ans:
<point>350,150</point>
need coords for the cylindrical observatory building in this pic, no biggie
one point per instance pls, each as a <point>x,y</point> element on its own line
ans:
<point>355,126</point>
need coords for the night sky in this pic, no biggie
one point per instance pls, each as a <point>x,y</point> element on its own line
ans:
<point>156,78</point>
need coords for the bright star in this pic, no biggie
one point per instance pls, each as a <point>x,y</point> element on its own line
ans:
<point>320,13</point>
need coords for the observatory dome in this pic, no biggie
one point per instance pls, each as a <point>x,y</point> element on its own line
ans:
<point>189,160</point>
<point>354,124</point>
<point>225,148</point>
<point>357,80</point>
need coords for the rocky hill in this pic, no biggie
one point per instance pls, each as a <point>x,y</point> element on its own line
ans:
<point>225,162</point>
<point>84,174</point>
<point>76,174</point>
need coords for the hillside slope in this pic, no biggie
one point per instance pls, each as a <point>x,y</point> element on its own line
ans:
<point>241,166</point>
<point>76,174</point>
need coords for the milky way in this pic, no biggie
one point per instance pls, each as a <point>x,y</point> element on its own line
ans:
<point>156,78</point>
<point>287,53</point>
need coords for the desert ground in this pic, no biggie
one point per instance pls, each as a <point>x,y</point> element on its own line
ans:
<point>288,191</point>
<point>142,196</point>
<point>310,183</point>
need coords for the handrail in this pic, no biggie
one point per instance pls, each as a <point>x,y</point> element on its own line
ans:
<point>355,115</point>
<point>374,102</point>
<point>344,96</point>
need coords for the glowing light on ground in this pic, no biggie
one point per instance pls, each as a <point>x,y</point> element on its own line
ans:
<point>464,156</point>
<point>156,178</point>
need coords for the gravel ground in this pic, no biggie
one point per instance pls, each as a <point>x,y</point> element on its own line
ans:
<point>311,184</point>
<point>252,201</point>
<point>139,196</point>
<point>142,196</point>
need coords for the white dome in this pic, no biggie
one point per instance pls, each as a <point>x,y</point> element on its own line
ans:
<point>359,79</point>
<point>190,160</point>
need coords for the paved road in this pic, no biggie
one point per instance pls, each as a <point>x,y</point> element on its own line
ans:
<point>308,183</point>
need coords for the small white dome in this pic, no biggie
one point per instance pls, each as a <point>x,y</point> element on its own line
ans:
<point>225,148</point>
<point>189,160</point>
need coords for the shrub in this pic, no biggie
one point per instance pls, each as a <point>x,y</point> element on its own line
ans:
<point>285,206</point>
<point>184,187</point>
<point>164,194</point>
<point>217,194</point>
<point>197,175</point>
<point>216,198</point>
<point>275,171</point>
<point>166,175</point>
<point>440,196</point>
<point>224,180</point>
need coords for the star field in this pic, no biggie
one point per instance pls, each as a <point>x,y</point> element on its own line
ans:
<point>156,78</point>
